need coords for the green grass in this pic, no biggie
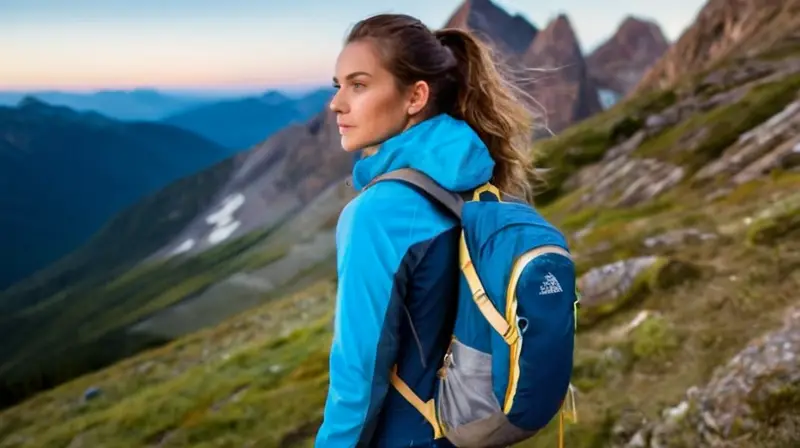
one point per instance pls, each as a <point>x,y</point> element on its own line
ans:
<point>217,386</point>
<point>259,379</point>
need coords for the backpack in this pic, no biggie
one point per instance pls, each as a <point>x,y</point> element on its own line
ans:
<point>507,370</point>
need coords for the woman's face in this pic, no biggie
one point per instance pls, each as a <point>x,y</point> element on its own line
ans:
<point>369,106</point>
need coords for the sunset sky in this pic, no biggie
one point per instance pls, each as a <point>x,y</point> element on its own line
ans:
<point>239,44</point>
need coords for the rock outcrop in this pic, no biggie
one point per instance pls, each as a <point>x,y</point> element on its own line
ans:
<point>558,78</point>
<point>756,389</point>
<point>619,63</point>
<point>737,124</point>
<point>771,145</point>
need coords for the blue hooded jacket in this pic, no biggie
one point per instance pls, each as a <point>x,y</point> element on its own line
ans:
<point>397,286</point>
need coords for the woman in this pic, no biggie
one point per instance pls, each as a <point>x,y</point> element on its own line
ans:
<point>433,101</point>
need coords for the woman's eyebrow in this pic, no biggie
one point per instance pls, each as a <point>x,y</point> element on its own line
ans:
<point>352,75</point>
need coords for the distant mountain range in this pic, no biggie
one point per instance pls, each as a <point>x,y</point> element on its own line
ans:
<point>241,123</point>
<point>136,104</point>
<point>236,123</point>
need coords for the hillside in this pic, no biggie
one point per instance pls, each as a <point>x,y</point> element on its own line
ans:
<point>243,122</point>
<point>682,208</point>
<point>65,173</point>
<point>215,243</point>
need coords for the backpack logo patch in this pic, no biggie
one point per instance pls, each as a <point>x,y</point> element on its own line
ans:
<point>550,285</point>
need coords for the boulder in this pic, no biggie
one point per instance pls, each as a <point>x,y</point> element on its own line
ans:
<point>609,288</point>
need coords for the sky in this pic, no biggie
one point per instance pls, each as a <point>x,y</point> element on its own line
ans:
<point>241,45</point>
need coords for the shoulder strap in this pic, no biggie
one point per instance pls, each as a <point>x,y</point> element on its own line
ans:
<point>451,201</point>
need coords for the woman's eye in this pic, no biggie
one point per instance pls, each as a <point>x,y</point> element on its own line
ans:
<point>358,85</point>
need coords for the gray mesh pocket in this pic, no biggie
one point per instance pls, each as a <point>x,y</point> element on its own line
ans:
<point>467,406</point>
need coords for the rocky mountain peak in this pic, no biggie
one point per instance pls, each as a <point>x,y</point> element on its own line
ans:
<point>510,34</point>
<point>560,81</point>
<point>619,63</point>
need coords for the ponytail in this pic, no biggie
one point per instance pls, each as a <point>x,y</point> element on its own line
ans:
<point>492,105</point>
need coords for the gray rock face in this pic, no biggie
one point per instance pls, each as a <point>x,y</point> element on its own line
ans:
<point>765,147</point>
<point>628,181</point>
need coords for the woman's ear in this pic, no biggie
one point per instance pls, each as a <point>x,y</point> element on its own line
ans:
<point>420,94</point>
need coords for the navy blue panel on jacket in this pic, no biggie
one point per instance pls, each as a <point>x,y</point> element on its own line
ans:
<point>397,274</point>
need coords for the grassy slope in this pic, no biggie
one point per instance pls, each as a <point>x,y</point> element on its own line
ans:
<point>245,383</point>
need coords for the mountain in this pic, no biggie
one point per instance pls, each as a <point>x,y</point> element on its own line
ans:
<point>65,173</point>
<point>564,91</point>
<point>244,122</point>
<point>727,28</point>
<point>509,35</point>
<point>619,63</point>
<point>136,104</point>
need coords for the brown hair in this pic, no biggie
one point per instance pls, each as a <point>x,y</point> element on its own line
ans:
<point>466,82</point>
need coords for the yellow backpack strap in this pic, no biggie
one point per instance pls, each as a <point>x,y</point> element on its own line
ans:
<point>496,320</point>
<point>426,408</point>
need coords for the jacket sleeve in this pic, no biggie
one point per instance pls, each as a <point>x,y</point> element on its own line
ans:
<point>373,235</point>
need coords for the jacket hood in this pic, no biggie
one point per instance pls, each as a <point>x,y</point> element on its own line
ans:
<point>443,147</point>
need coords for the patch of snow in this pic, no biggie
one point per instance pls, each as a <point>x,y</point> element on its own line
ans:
<point>220,234</point>
<point>185,246</point>
<point>223,221</point>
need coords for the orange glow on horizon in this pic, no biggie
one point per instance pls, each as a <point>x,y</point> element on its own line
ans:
<point>167,80</point>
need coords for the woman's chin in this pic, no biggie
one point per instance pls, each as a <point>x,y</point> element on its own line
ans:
<point>349,145</point>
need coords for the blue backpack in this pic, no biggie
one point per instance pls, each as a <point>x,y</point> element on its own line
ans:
<point>507,371</point>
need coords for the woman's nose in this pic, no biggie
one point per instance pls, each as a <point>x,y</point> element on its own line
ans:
<point>336,103</point>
